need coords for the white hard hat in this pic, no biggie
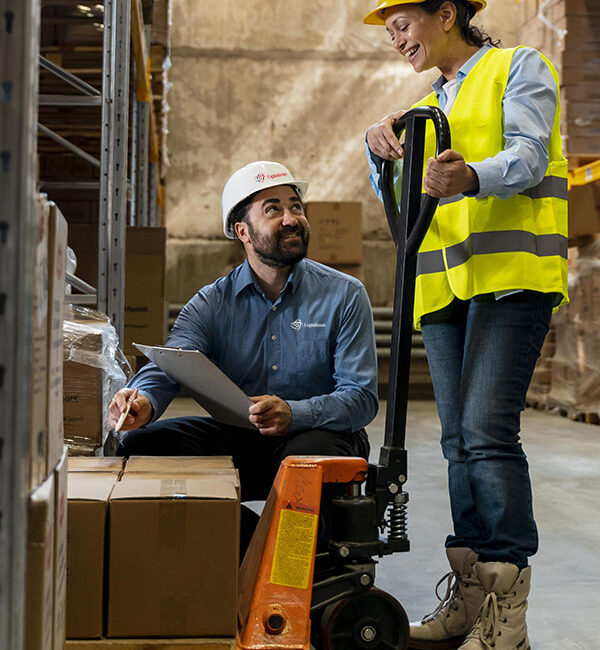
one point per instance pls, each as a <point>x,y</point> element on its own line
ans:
<point>252,178</point>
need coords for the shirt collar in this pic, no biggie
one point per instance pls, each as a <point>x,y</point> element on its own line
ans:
<point>463,71</point>
<point>246,278</point>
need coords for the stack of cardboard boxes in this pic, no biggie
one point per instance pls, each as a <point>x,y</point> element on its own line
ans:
<point>46,538</point>
<point>153,552</point>
<point>575,384</point>
<point>570,37</point>
<point>336,235</point>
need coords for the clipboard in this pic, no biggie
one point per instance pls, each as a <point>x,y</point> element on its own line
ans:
<point>207,383</point>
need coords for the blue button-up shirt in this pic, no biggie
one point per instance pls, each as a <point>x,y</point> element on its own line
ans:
<point>314,346</point>
<point>529,106</point>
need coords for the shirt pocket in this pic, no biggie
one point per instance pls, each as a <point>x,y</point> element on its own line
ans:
<point>312,347</point>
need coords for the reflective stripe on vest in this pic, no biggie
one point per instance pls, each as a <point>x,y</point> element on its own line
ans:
<point>485,243</point>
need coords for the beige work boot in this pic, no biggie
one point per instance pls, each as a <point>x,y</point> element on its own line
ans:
<point>501,621</point>
<point>446,627</point>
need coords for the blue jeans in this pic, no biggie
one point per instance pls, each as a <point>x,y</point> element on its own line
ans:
<point>482,353</point>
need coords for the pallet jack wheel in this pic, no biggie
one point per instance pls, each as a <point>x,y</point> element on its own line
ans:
<point>372,620</point>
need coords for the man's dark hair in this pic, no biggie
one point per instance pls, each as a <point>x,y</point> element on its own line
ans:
<point>240,211</point>
<point>464,13</point>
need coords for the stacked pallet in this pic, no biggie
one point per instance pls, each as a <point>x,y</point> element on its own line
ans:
<point>568,33</point>
<point>575,388</point>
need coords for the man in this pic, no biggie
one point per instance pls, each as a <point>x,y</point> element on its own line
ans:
<point>295,335</point>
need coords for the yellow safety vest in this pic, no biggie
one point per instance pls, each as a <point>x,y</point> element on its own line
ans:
<point>481,245</point>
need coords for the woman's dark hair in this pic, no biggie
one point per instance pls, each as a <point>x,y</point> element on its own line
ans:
<point>464,12</point>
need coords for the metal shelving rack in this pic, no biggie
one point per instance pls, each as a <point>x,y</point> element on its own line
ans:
<point>19,100</point>
<point>19,50</point>
<point>122,26</point>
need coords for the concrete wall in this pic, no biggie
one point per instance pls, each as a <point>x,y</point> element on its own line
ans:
<point>297,82</point>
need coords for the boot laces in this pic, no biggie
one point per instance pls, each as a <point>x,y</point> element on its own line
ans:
<point>452,590</point>
<point>487,622</point>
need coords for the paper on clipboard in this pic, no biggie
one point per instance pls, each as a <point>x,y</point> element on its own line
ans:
<point>209,385</point>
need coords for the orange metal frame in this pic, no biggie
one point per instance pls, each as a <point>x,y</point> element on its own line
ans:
<point>276,576</point>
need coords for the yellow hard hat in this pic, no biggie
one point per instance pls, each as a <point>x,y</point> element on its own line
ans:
<point>375,17</point>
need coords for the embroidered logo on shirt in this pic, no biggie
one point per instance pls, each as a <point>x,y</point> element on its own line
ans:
<point>297,324</point>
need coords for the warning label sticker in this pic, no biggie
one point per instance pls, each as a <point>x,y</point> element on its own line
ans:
<point>294,549</point>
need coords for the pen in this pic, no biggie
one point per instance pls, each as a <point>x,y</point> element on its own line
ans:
<point>126,411</point>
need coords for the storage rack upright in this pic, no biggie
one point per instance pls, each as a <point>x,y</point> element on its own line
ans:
<point>19,104</point>
<point>19,48</point>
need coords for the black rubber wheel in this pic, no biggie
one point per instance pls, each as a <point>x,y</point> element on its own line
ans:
<point>372,620</point>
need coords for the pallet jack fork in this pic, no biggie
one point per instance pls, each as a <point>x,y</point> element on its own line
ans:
<point>291,597</point>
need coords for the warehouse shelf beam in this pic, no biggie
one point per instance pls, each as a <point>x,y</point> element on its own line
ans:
<point>70,185</point>
<point>68,77</point>
<point>19,51</point>
<point>112,219</point>
<point>49,133</point>
<point>69,100</point>
<point>585,174</point>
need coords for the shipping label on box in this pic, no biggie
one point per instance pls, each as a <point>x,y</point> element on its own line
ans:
<point>335,232</point>
<point>88,495</point>
<point>39,599</point>
<point>56,297</point>
<point>173,557</point>
<point>38,437</point>
<point>60,551</point>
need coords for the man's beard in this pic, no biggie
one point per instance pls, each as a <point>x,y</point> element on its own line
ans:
<point>270,250</point>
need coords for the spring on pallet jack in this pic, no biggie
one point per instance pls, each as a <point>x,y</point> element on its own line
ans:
<point>399,517</point>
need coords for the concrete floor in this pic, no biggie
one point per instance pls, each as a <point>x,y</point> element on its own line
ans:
<point>565,465</point>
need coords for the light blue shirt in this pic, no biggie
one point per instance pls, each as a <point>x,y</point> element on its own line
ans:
<point>314,346</point>
<point>529,107</point>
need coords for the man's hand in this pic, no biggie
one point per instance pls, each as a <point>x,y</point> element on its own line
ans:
<point>381,139</point>
<point>140,411</point>
<point>448,175</point>
<point>271,415</point>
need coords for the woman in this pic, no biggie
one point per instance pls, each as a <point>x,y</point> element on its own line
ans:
<point>491,269</point>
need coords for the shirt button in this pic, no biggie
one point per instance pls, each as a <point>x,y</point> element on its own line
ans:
<point>274,337</point>
<point>274,307</point>
<point>273,367</point>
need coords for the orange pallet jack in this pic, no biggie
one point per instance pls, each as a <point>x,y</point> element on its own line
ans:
<point>291,597</point>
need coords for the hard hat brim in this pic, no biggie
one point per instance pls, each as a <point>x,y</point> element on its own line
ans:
<point>376,17</point>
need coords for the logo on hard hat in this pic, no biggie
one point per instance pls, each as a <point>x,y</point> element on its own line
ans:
<point>260,178</point>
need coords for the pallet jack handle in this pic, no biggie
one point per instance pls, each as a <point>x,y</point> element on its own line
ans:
<point>408,224</point>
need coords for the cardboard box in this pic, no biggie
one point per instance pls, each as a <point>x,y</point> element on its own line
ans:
<point>109,464</point>
<point>336,232</point>
<point>145,317</point>
<point>60,551</point>
<point>584,216</point>
<point>182,465</point>
<point>38,432</point>
<point>84,384</point>
<point>88,495</point>
<point>39,627</point>
<point>145,302</point>
<point>56,297</point>
<point>153,644</point>
<point>173,557</point>
<point>188,466</point>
